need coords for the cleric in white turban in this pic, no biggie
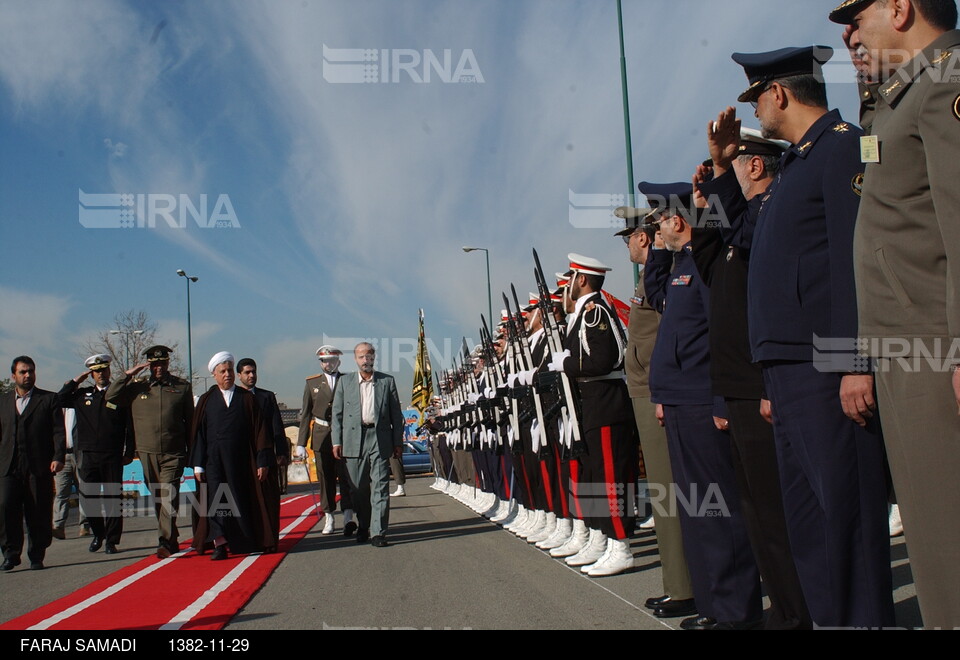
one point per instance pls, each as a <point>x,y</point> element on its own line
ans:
<point>231,453</point>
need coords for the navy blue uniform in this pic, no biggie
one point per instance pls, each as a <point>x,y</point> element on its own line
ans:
<point>726,584</point>
<point>801,287</point>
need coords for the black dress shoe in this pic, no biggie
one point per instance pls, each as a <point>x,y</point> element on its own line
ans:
<point>96,544</point>
<point>362,535</point>
<point>58,533</point>
<point>349,529</point>
<point>9,565</point>
<point>37,566</point>
<point>219,553</point>
<point>111,549</point>
<point>654,603</point>
<point>671,609</point>
<point>379,541</point>
<point>740,625</point>
<point>699,623</point>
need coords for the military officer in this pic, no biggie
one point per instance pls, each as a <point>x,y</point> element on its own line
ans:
<point>726,584</point>
<point>907,266</point>
<point>104,445</point>
<point>593,356</point>
<point>161,406</point>
<point>677,599</point>
<point>802,317</point>
<point>315,423</point>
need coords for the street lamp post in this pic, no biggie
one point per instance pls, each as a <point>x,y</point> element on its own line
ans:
<point>189,344</point>
<point>489,293</point>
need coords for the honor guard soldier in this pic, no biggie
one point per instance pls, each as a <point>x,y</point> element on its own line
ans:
<point>802,315</point>
<point>745,164</point>
<point>104,445</point>
<point>315,415</point>
<point>907,266</point>
<point>593,356</point>
<point>677,599</point>
<point>161,406</point>
<point>726,584</point>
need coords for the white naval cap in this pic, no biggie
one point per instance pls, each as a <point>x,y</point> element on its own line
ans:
<point>587,265</point>
<point>328,352</point>
<point>218,359</point>
<point>98,362</point>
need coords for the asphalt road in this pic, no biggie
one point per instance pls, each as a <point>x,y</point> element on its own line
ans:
<point>446,568</point>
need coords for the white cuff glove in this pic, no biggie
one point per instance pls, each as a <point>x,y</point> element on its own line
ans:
<point>198,470</point>
<point>556,364</point>
<point>473,398</point>
<point>490,393</point>
<point>300,452</point>
<point>512,381</point>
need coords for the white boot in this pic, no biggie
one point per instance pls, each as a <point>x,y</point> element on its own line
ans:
<point>549,527</point>
<point>619,559</point>
<point>560,535</point>
<point>399,492</point>
<point>493,508</point>
<point>327,522</point>
<point>896,524</point>
<point>591,552</point>
<point>606,553</point>
<point>649,523</point>
<point>573,545</point>
<point>519,520</point>
<point>509,513</point>
<point>538,522</point>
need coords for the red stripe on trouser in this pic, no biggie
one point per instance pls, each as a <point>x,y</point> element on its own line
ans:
<point>547,486</point>
<point>506,482</point>
<point>575,486</point>
<point>610,479</point>
<point>526,481</point>
<point>564,507</point>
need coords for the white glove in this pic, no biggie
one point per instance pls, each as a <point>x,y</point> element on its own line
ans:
<point>535,435</point>
<point>300,452</point>
<point>512,381</point>
<point>197,470</point>
<point>556,364</point>
<point>490,393</point>
<point>473,398</point>
<point>528,376</point>
<point>510,435</point>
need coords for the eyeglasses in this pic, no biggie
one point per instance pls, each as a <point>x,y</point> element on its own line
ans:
<point>754,103</point>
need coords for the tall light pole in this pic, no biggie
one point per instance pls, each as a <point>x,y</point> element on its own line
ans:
<point>631,195</point>
<point>126,344</point>
<point>489,293</point>
<point>189,344</point>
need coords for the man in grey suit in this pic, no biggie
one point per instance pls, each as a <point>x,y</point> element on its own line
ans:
<point>367,429</point>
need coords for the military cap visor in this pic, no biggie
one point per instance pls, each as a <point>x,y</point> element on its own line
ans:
<point>98,362</point>
<point>845,13</point>
<point>764,68</point>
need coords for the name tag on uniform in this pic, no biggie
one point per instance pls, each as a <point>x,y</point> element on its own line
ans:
<point>638,301</point>
<point>869,149</point>
<point>683,280</point>
<point>172,391</point>
<point>112,406</point>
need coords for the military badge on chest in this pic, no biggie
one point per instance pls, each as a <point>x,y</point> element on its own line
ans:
<point>683,280</point>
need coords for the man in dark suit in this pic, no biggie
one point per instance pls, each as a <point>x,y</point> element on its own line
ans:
<point>104,445</point>
<point>366,429</point>
<point>315,422</point>
<point>32,448</point>
<point>270,412</point>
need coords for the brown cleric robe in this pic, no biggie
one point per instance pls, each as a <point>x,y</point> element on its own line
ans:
<point>230,443</point>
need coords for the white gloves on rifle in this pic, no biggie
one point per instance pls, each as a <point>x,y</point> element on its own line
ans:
<point>556,364</point>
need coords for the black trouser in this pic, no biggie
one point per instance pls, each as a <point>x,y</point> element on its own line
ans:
<point>101,478</point>
<point>26,498</point>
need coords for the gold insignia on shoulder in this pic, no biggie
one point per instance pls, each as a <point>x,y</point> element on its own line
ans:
<point>942,57</point>
<point>842,128</point>
<point>857,184</point>
<point>956,107</point>
<point>805,147</point>
<point>889,89</point>
<point>143,396</point>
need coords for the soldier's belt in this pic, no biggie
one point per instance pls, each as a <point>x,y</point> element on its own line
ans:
<point>613,375</point>
<point>321,422</point>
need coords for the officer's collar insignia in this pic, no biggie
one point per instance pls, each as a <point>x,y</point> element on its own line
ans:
<point>942,57</point>
<point>956,107</point>
<point>842,128</point>
<point>806,146</point>
<point>888,90</point>
<point>857,184</point>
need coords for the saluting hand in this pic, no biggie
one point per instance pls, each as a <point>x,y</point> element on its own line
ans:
<point>858,54</point>
<point>133,371</point>
<point>723,140</point>
<point>702,174</point>
<point>82,377</point>
<point>856,397</point>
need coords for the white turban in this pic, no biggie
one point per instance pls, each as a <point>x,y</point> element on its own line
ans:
<point>219,358</point>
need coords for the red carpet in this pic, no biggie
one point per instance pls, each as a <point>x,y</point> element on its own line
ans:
<point>184,592</point>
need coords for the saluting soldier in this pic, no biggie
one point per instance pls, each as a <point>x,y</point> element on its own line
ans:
<point>315,416</point>
<point>161,406</point>
<point>104,445</point>
<point>907,265</point>
<point>802,316</point>
<point>593,356</point>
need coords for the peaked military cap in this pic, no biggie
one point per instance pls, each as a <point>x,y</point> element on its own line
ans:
<point>587,265</point>
<point>98,362</point>
<point>763,68</point>
<point>633,219</point>
<point>847,10</point>
<point>157,353</point>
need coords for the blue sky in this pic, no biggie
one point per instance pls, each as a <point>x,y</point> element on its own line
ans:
<point>353,200</point>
